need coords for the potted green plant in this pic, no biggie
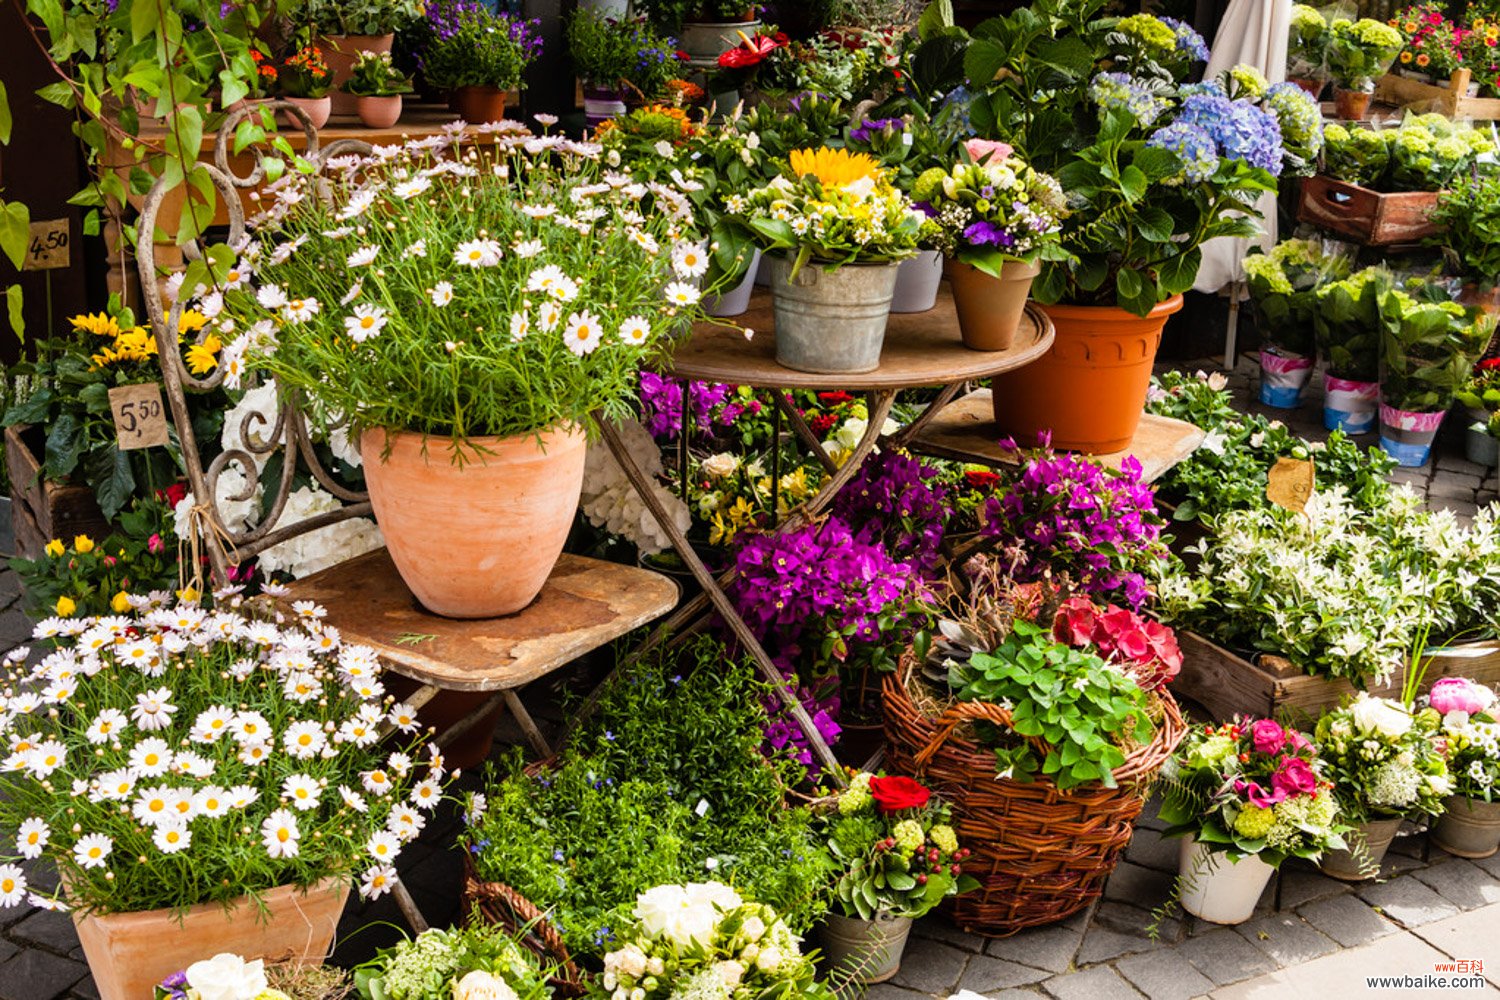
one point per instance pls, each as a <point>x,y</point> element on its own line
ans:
<point>477,56</point>
<point>1246,795</point>
<point>304,79</point>
<point>1307,49</point>
<point>471,349</point>
<point>892,848</point>
<point>1386,767</point>
<point>1347,323</point>
<point>1469,215</point>
<point>1357,53</point>
<point>345,28</point>
<point>995,219</point>
<point>1470,824</point>
<point>1480,396</point>
<point>1283,292</point>
<point>617,58</point>
<point>1152,168</point>
<point>207,777</point>
<point>832,273</point>
<point>377,86</point>
<point>1429,345</point>
<point>474,962</point>
<point>704,28</point>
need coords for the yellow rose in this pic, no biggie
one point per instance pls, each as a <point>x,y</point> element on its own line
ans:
<point>83,544</point>
<point>121,603</point>
<point>66,606</point>
<point>56,547</point>
<point>189,595</point>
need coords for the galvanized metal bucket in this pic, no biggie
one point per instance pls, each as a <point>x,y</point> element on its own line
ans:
<point>866,951</point>
<point>1469,828</point>
<point>830,322</point>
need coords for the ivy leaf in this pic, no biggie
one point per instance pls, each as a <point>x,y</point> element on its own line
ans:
<point>15,231</point>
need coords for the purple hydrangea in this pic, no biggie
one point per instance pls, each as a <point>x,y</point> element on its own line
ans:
<point>1121,91</point>
<point>1211,87</point>
<point>1193,146</point>
<point>1189,42</point>
<point>1240,130</point>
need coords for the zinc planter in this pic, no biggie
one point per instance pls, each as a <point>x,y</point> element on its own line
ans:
<point>1368,843</point>
<point>1407,437</point>
<point>1283,376</point>
<point>1350,406</point>
<point>1469,828</point>
<point>478,104</point>
<point>1219,890</point>
<point>866,951</point>
<point>989,308</point>
<point>379,112</point>
<point>476,540</point>
<point>830,322</point>
<point>129,953</point>
<point>1479,446</point>
<point>317,110</point>
<point>707,40</point>
<point>737,299</point>
<point>341,52</point>
<point>917,281</point>
<point>1089,389</point>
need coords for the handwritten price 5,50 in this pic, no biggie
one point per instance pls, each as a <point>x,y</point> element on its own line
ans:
<point>140,419</point>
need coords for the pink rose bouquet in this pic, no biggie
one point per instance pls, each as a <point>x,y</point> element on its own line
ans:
<point>1470,735</point>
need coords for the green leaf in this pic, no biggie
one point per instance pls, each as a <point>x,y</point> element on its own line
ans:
<point>13,310</point>
<point>937,16</point>
<point>145,18</point>
<point>65,441</point>
<point>5,121</point>
<point>983,61</point>
<point>1176,274</point>
<point>15,231</point>
<point>900,881</point>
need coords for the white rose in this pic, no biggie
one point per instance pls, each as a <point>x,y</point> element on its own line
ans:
<point>631,961</point>
<point>1485,694</point>
<point>769,960</point>
<point>480,985</point>
<point>731,973</point>
<point>1380,716</point>
<point>227,977</point>
<point>656,908</point>
<point>655,966</point>
<point>715,893</point>
<point>754,928</point>
<point>721,465</point>
<point>1440,784</point>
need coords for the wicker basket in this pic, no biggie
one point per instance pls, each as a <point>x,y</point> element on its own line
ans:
<point>1039,854</point>
<point>497,904</point>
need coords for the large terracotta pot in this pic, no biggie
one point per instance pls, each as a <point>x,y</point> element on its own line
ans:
<point>129,953</point>
<point>477,105</point>
<point>1090,387</point>
<point>340,52</point>
<point>476,540</point>
<point>989,308</point>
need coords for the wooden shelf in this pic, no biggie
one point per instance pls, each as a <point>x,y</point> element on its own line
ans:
<point>965,431</point>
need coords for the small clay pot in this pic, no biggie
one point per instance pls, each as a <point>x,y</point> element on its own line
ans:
<point>317,110</point>
<point>379,112</point>
<point>989,308</point>
<point>1351,105</point>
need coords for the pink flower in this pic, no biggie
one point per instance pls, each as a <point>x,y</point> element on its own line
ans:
<point>1258,796</point>
<point>1294,777</point>
<point>1267,736</point>
<point>1297,740</point>
<point>154,544</point>
<point>1075,622</point>
<point>987,151</point>
<point>1456,694</point>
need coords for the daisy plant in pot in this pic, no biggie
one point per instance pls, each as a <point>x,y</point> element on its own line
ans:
<point>472,311</point>
<point>1246,795</point>
<point>1386,766</point>
<point>833,229</point>
<point>896,856</point>
<point>1470,725</point>
<point>197,777</point>
<point>995,219</point>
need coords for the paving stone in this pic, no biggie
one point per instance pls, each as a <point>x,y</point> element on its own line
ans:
<point>885,991</point>
<point>1139,921</point>
<point>1150,849</point>
<point>1461,465</point>
<point>1146,888</point>
<point>1100,983</point>
<point>1469,936</point>
<point>1149,818</point>
<point>1407,901</point>
<point>85,989</point>
<point>1348,920</point>
<point>986,975</point>
<point>1050,948</point>
<point>1101,944</point>
<point>1461,882</point>
<point>1286,939</point>
<point>1300,886</point>
<point>1341,975</point>
<point>8,950</point>
<point>49,929</point>
<point>931,967</point>
<point>1490,864</point>
<point>38,975</point>
<point>1018,995</point>
<point>939,928</point>
<point>1225,957</point>
<point>1163,975</point>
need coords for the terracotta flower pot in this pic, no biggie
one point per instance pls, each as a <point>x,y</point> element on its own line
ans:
<point>1089,389</point>
<point>477,105</point>
<point>989,308</point>
<point>1351,105</point>
<point>340,53</point>
<point>379,112</point>
<point>476,540</point>
<point>1310,84</point>
<point>317,110</point>
<point>129,953</point>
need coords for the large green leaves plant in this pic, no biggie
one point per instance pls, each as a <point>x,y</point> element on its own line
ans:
<point>1428,349</point>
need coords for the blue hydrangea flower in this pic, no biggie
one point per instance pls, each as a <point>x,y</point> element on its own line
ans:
<point>1242,131</point>
<point>1112,91</point>
<point>1193,146</point>
<point>1300,117</point>
<point>1213,87</point>
<point>1189,42</point>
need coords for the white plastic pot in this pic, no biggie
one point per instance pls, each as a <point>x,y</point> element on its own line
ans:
<point>1217,889</point>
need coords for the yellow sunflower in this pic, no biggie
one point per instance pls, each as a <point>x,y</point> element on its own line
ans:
<point>203,358</point>
<point>99,324</point>
<point>834,167</point>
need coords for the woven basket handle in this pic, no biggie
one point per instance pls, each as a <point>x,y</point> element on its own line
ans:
<point>949,720</point>
<point>526,915</point>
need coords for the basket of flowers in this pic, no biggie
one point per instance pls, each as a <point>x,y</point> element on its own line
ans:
<point>495,904</point>
<point>1045,738</point>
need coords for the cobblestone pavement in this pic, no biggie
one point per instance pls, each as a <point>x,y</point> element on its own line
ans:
<point>1311,936</point>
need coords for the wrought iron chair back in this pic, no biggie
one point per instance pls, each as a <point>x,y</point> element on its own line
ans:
<point>288,431</point>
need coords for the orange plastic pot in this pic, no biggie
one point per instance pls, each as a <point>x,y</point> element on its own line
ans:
<point>1089,389</point>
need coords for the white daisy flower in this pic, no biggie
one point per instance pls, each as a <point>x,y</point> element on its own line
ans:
<point>107,727</point>
<point>548,317</point>
<point>271,296</point>
<point>239,272</point>
<point>172,837</point>
<point>377,881</point>
<point>13,885</point>
<point>357,204</point>
<point>212,722</point>
<point>583,333</point>
<point>116,786</point>
<point>680,293</point>
<point>411,188</point>
<point>301,310</point>
<point>353,799</point>
<point>689,260</point>
<point>31,837</point>
<point>635,331</point>
<point>366,322</point>
<point>243,797</point>
<point>279,834</point>
<point>565,290</point>
<point>232,362</point>
<point>253,754</point>
<point>528,248</point>
<point>194,765</point>
<point>383,846</point>
<point>302,791</point>
<point>153,709</point>
<point>543,279</point>
<point>250,727</point>
<point>92,850</point>
<point>211,304</point>
<point>301,687</point>
<point>304,740</point>
<point>538,211</point>
<point>405,822</point>
<point>520,326</point>
<point>376,782</point>
<point>441,293</point>
<point>403,717</point>
<point>477,253</point>
<point>368,690</point>
<point>644,240</point>
<point>363,257</point>
<point>211,800</point>
<point>417,249</point>
<point>155,805</point>
<point>354,292</point>
<point>426,794</point>
<point>46,757</point>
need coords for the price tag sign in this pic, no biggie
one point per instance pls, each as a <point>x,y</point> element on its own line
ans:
<point>48,246</point>
<point>1289,484</point>
<point>140,418</point>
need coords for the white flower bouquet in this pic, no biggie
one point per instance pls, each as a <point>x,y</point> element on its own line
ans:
<point>470,963</point>
<point>1383,760</point>
<point>701,941</point>
<point>180,756</point>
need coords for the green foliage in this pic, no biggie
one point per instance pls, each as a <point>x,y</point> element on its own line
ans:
<point>1359,51</point>
<point>663,784</point>
<point>608,52</point>
<point>139,557</point>
<point>358,17</point>
<point>1470,219</point>
<point>482,51</point>
<point>1347,321</point>
<point>1283,289</point>
<point>431,965</point>
<point>1073,712</point>
<point>374,76</point>
<point>1428,347</point>
<point>669,15</point>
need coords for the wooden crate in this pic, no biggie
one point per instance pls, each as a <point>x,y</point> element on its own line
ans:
<point>1372,218</point>
<point>1450,99</point>
<point>42,510</point>
<point>1227,684</point>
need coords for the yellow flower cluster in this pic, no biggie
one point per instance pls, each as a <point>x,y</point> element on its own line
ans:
<point>834,167</point>
<point>137,343</point>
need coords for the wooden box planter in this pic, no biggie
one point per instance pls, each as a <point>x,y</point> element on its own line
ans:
<point>1370,217</point>
<point>1450,99</point>
<point>42,510</point>
<point>1227,684</point>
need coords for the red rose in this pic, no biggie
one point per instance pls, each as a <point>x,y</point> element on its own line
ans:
<point>173,494</point>
<point>896,793</point>
<point>981,479</point>
<point>834,398</point>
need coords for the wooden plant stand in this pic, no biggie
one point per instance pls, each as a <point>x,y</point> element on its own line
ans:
<point>1450,99</point>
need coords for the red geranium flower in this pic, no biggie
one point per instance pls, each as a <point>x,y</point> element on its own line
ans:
<point>834,398</point>
<point>981,479</point>
<point>896,793</point>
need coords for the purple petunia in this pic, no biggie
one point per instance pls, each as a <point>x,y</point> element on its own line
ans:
<point>981,234</point>
<point>871,127</point>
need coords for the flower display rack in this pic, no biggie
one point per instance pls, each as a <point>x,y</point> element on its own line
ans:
<point>41,509</point>
<point>1227,684</point>
<point>1450,99</point>
<point>1370,217</point>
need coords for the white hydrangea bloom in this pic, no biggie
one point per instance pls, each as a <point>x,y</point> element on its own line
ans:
<point>317,550</point>
<point>611,503</point>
